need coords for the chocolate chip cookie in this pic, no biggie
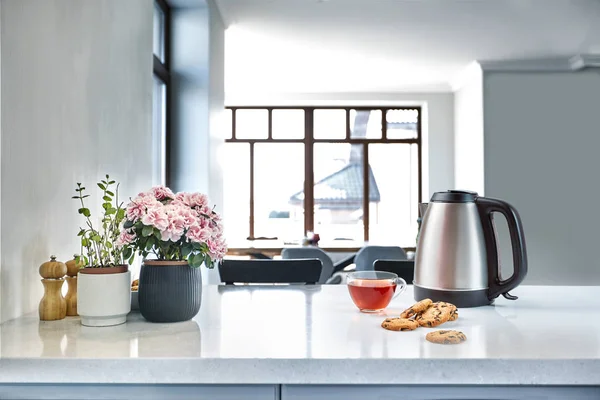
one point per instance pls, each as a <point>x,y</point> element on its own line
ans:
<point>399,324</point>
<point>453,316</point>
<point>436,314</point>
<point>446,337</point>
<point>417,308</point>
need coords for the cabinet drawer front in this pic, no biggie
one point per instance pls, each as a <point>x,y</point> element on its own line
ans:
<point>135,392</point>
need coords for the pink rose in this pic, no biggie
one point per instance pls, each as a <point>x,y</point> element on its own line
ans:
<point>175,229</point>
<point>198,200</point>
<point>198,233</point>
<point>156,217</point>
<point>184,198</point>
<point>135,210</point>
<point>125,238</point>
<point>162,193</point>
<point>188,216</point>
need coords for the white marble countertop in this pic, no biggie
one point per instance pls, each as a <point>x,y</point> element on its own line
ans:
<point>315,335</point>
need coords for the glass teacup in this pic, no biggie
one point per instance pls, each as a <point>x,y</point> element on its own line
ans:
<point>372,291</point>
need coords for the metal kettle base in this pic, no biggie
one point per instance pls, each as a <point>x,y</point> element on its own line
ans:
<point>460,298</point>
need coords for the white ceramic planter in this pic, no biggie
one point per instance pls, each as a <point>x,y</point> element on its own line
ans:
<point>103,299</point>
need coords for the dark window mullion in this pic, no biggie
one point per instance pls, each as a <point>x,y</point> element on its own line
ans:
<point>160,70</point>
<point>384,123</point>
<point>365,165</point>
<point>309,178</point>
<point>251,218</point>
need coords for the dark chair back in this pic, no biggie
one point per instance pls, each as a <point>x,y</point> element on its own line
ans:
<point>270,271</point>
<point>405,269</point>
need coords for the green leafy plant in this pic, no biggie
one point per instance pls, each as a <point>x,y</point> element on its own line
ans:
<point>98,245</point>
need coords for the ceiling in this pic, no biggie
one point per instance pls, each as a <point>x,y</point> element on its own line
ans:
<point>284,46</point>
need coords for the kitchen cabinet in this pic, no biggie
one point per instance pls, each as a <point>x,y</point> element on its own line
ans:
<point>135,392</point>
<point>396,392</point>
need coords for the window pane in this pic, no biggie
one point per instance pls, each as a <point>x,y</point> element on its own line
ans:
<point>251,124</point>
<point>402,124</point>
<point>393,218</point>
<point>329,124</point>
<point>288,124</point>
<point>159,33</point>
<point>338,191</point>
<point>278,190</point>
<point>236,191</point>
<point>159,138</point>
<point>365,124</point>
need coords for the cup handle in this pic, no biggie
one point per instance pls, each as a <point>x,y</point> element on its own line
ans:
<point>399,283</point>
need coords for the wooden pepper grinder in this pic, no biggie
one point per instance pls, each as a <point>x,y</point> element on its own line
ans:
<point>72,269</point>
<point>53,305</point>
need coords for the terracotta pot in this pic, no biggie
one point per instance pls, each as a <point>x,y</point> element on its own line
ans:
<point>118,269</point>
<point>169,291</point>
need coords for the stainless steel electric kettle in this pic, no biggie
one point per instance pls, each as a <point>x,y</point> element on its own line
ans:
<point>457,255</point>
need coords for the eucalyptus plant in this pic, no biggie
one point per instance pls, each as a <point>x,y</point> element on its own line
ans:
<point>98,244</point>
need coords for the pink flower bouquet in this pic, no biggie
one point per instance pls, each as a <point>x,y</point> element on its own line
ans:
<point>173,227</point>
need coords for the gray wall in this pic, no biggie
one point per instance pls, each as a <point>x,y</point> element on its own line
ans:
<point>76,103</point>
<point>542,155</point>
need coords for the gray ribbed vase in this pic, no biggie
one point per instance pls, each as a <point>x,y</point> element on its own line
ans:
<point>169,291</point>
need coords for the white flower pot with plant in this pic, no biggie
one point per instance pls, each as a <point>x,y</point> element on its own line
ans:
<point>103,290</point>
<point>182,232</point>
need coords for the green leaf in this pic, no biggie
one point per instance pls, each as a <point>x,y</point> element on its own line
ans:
<point>196,260</point>
<point>147,231</point>
<point>108,192</point>
<point>75,197</point>
<point>121,213</point>
<point>101,186</point>
<point>111,182</point>
<point>128,224</point>
<point>131,259</point>
<point>127,252</point>
<point>149,243</point>
<point>96,238</point>
<point>186,249</point>
<point>81,232</point>
<point>106,198</point>
<point>157,234</point>
<point>109,245</point>
<point>85,211</point>
<point>84,242</point>
<point>111,211</point>
<point>86,196</point>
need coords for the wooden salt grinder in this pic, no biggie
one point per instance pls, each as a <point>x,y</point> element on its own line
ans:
<point>72,269</point>
<point>53,305</point>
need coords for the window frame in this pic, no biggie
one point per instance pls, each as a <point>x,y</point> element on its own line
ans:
<point>161,70</point>
<point>309,142</point>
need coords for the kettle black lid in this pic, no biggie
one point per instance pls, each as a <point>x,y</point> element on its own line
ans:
<point>454,196</point>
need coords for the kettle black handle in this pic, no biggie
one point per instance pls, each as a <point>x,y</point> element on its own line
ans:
<point>497,286</point>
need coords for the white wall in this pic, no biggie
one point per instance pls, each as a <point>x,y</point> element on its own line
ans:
<point>438,124</point>
<point>76,103</point>
<point>468,131</point>
<point>542,155</point>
